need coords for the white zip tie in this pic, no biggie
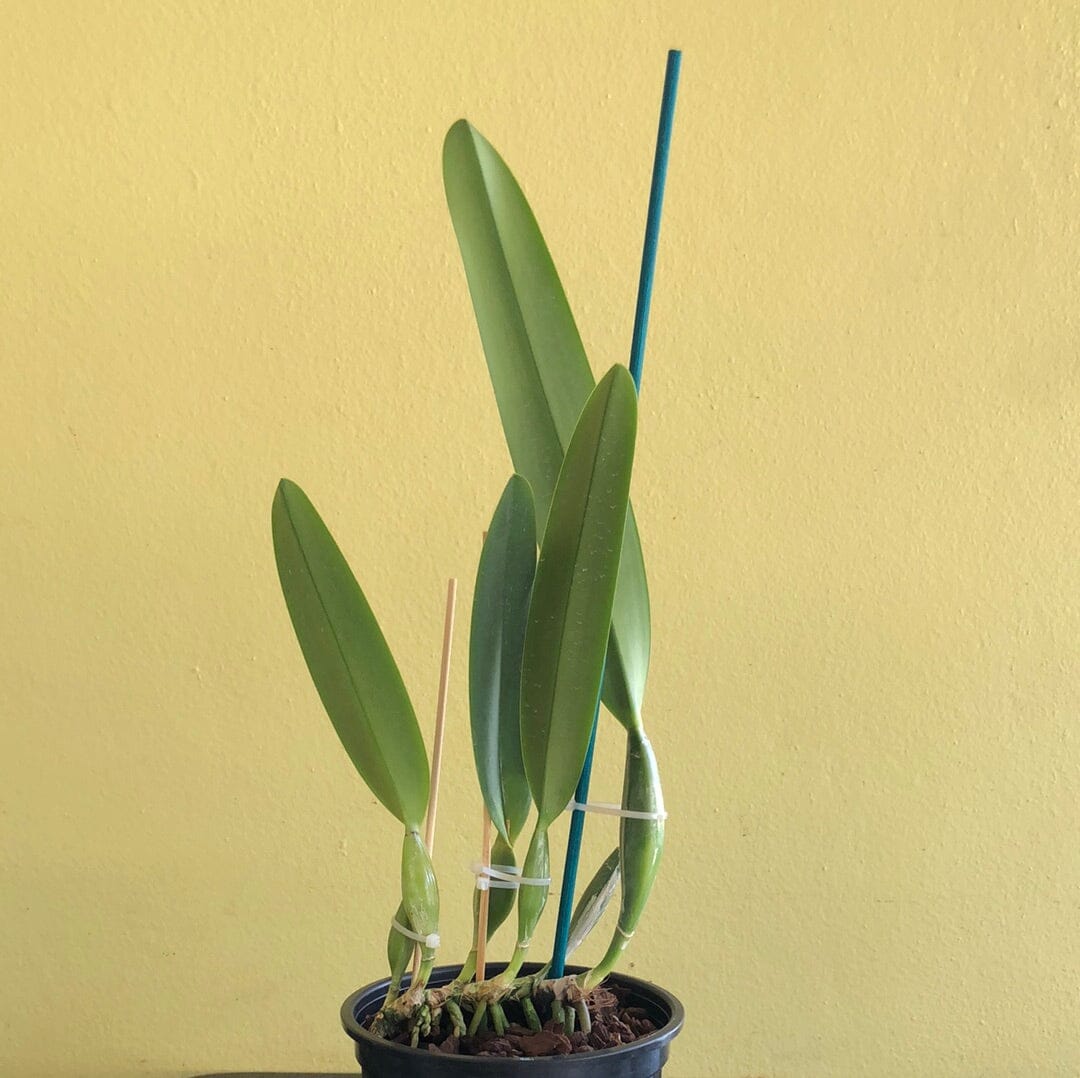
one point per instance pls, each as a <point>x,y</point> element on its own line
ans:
<point>605,809</point>
<point>504,876</point>
<point>485,882</point>
<point>431,940</point>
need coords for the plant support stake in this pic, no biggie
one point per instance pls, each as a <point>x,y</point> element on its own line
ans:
<point>440,733</point>
<point>637,359</point>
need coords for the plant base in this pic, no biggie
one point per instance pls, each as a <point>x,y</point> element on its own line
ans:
<point>643,1058</point>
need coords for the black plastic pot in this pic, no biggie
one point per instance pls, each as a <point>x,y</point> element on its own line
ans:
<point>645,1058</point>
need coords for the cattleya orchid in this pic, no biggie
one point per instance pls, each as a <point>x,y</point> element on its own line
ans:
<point>560,618</point>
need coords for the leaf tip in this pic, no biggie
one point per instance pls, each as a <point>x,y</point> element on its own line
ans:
<point>285,487</point>
<point>460,132</point>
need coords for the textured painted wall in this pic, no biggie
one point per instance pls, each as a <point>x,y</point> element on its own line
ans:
<point>226,258</point>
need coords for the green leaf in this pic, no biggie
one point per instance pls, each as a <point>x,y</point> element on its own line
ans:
<point>594,900</point>
<point>350,663</point>
<point>497,636</point>
<point>628,647</point>
<point>538,369</point>
<point>570,614</point>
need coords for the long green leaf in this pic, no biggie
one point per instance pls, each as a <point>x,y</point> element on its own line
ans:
<point>570,614</point>
<point>538,369</point>
<point>350,663</point>
<point>504,582</point>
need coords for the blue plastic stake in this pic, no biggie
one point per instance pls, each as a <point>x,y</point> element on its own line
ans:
<point>573,855</point>
<point>637,359</point>
<point>652,224</point>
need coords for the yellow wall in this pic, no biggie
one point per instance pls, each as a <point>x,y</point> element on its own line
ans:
<point>226,258</point>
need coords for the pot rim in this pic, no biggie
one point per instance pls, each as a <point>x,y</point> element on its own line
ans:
<point>405,1052</point>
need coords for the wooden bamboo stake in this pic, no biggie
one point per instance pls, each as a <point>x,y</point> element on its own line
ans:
<point>485,898</point>
<point>440,716</point>
<point>440,731</point>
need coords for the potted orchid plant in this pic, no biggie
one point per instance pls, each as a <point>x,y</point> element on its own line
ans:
<point>560,620</point>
